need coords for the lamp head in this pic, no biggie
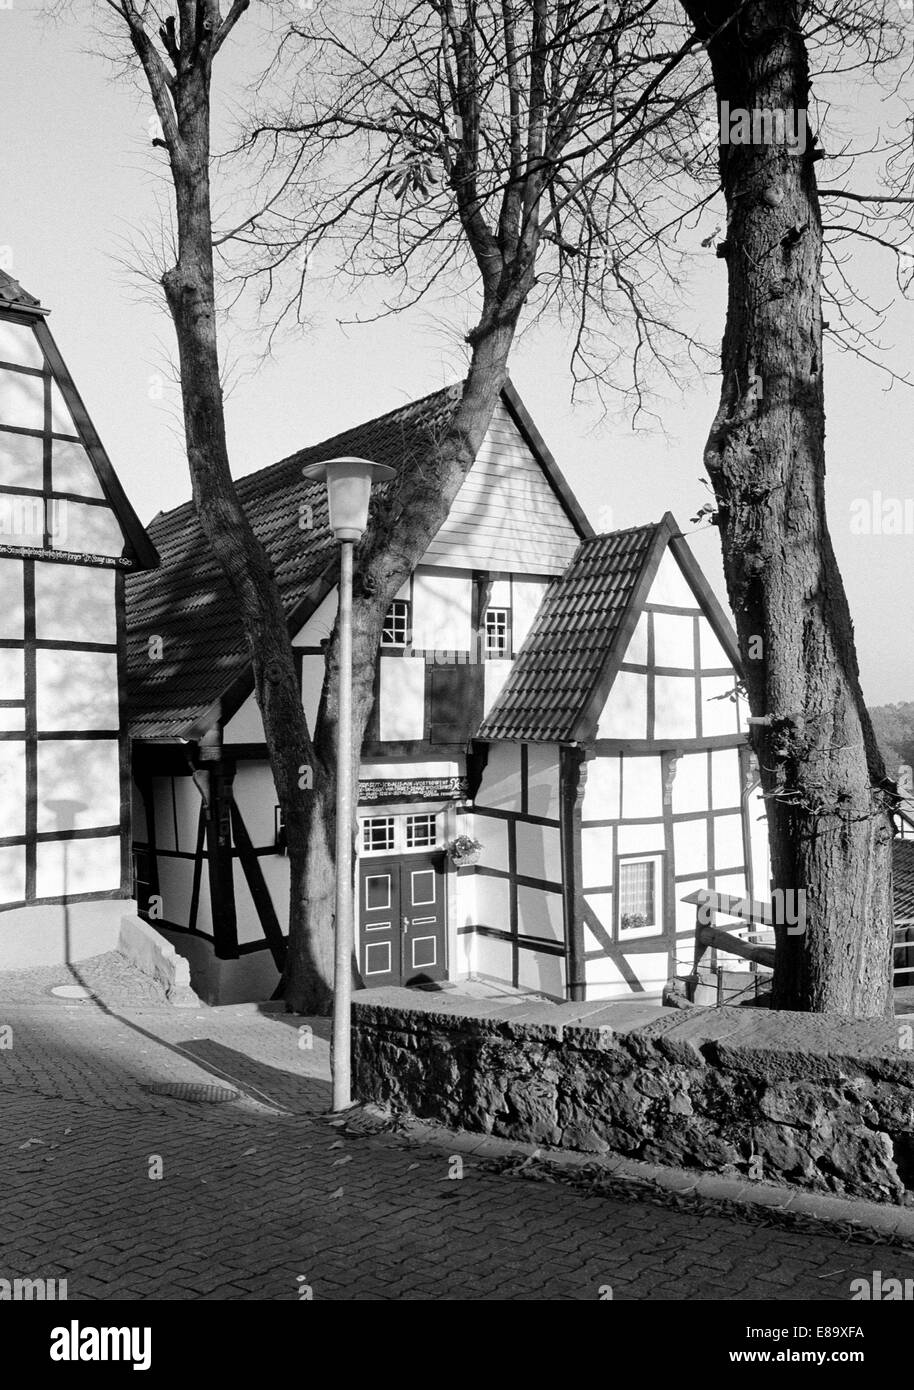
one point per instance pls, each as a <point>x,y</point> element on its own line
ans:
<point>349,483</point>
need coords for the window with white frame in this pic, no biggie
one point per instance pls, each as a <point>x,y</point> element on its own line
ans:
<point>396,624</point>
<point>421,831</point>
<point>399,834</point>
<point>498,632</point>
<point>379,834</point>
<point>637,894</point>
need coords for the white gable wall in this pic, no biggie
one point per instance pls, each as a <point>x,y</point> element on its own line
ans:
<point>505,516</point>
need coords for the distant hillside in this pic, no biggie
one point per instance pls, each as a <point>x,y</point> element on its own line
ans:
<point>894,726</point>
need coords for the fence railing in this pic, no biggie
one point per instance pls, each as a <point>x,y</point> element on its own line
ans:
<point>753,941</point>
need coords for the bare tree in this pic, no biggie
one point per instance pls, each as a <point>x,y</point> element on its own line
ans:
<point>529,153</point>
<point>176,52</point>
<point>828,800</point>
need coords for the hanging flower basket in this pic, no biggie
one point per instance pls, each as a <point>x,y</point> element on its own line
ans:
<point>464,850</point>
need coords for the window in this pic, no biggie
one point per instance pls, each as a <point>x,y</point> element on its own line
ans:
<point>498,632</point>
<point>378,834</point>
<point>637,898</point>
<point>396,624</point>
<point>420,832</point>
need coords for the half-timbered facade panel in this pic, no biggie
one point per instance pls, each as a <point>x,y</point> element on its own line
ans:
<point>67,536</point>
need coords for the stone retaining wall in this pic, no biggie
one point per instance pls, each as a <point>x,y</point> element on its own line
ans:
<point>821,1103</point>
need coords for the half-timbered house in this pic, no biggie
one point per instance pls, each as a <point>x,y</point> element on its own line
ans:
<point>567,700</point>
<point>68,537</point>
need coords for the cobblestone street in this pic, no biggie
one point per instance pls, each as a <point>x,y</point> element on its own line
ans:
<point>132,1194</point>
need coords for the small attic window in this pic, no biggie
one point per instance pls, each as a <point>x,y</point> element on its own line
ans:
<point>498,632</point>
<point>396,624</point>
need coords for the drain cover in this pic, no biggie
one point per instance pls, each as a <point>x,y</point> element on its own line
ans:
<point>72,992</point>
<point>192,1090</point>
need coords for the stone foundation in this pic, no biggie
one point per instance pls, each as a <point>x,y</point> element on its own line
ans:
<point>821,1103</point>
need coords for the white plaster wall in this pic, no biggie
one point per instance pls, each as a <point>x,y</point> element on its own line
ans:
<point>640,839</point>
<point>500,786</point>
<point>636,651</point>
<point>543,782</point>
<point>690,784</point>
<point>21,460</point>
<point>246,725</point>
<point>495,673</point>
<point>540,915</point>
<point>726,783</point>
<point>539,851</point>
<point>12,788</point>
<point>718,716</point>
<point>76,690</point>
<point>642,787</point>
<point>90,530</point>
<point>255,796</point>
<point>72,470</point>
<point>12,673</point>
<point>163,811</point>
<point>690,847</point>
<point>176,880</point>
<point>526,598</point>
<point>11,600</point>
<point>312,683</point>
<point>18,344</point>
<point>625,713</point>
<point>320,625</point>
<point>670,585</point>
<point>494,836</point>
<point>713,655</point>
<point>728,841</point>
<point>85,771</point>
<point>187,805</point>
<point>673,641</point>
<point>545,974</point>
<point>401,698</point>
<point>21,400</point>
<point>596,856</point>
<point>61,419</point>
<point>602,799</point>
<point>74,603</point>
<point>674,707</point>
<point>12,873</point>
<point>442,610</point>
<point>77,866</point>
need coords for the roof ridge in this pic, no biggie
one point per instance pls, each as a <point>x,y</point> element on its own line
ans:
<point>623,531</point>
<point>12,294</point>
<point>388,417</point>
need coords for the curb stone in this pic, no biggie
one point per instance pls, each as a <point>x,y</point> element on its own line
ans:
<point>769,1202</point>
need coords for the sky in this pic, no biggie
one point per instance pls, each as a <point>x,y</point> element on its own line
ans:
<point>81,183</point>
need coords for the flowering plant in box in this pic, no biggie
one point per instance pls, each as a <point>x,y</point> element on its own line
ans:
<point>464,849</point>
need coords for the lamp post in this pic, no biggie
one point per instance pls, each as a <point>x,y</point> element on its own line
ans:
<point>349,483</point>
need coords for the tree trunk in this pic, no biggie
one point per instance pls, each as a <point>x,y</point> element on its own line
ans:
<point>189,289</point>
<point>387,556</point>
<point>829,827</point>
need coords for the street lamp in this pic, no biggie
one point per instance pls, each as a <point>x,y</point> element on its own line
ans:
<point>349,483</point>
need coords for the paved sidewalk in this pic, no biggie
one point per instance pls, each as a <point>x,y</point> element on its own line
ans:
<point>128,1193</point>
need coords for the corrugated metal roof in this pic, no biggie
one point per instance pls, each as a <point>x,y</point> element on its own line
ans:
<point>572,639</point>
<point>187,601</point>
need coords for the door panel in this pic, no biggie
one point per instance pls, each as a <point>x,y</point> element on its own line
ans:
<point>402,920</point>
<point>379,917</point>
<point>422,900</point>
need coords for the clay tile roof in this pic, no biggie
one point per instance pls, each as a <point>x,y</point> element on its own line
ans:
<point>561,662</point>
<point>13,296</point>
<point>904,879</point>
<point>187,602</point>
